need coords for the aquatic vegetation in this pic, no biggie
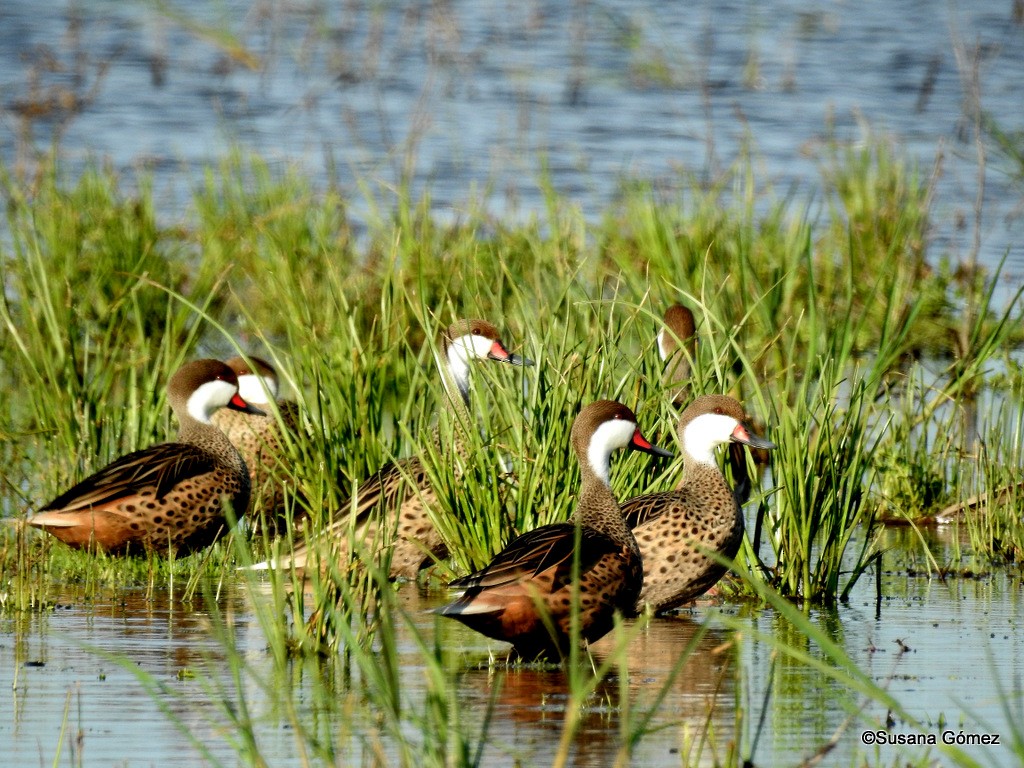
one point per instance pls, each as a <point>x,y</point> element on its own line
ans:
<point>826,323</point>
<point>347,326</point>
<point>992,494</point>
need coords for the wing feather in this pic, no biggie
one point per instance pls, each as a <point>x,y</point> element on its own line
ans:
<point>643,509</point>
<point>160,467</point>
<point>390,485</point>
<point>544,548</point>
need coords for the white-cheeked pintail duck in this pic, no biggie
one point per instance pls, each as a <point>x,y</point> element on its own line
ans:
<point>677,345</point>
<point>675,529</point>
<point>401,491</point>
<point>169,496</point>
<point>258,438</point>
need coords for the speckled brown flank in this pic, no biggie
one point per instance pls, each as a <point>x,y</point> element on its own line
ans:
<point>393,512</point>
<point>167,497</point>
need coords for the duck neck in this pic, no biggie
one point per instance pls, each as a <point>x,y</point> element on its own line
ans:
<point>676,376</point>
<point>598,509</point>
<point>455,411</point>
<point>211,439</point>
<point>703,480</point>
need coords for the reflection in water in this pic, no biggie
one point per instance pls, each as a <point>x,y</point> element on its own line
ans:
<point>528,710</point>
<point>805,706</point>
<point>79,666</point>
<point>694,665</point>
<point>677,679</point>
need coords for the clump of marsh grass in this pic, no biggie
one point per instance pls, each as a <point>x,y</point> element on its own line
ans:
<point>878,225</point>
<point>992,517</point>
<point>915,464</point>
<point>835,434</point>
<point>953,452</point>
<point>85,323</point>
<point>529,424</point>
<point>757,259</point>
<point>284,251</point>
<point>822,471</point>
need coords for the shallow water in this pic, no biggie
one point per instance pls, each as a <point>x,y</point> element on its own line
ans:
<point>469,99</point>
<point>81,663</point>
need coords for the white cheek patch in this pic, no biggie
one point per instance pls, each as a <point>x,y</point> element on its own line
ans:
<point>467,347</point>
<point>705,433</point>
<point>256,390</point>
<point>662,338</point>
<point>208,398</point>
<point>609,437</point>
<point>471,345</point>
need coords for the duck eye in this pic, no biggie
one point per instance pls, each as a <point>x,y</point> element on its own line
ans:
<point>476,331</point>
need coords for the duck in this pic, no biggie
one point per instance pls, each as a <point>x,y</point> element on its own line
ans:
<point>258,437</point>
<point>524,595</point>
<point>675,529</point>
<point>677,346</point>
<point>402,487</point>
<point>168,497</point>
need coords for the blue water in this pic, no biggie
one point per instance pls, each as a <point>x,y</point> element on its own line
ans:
<point>469,100</point>
<point>133,681</point>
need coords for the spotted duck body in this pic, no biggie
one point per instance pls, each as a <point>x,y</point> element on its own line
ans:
<point>524,596</point>
<point>168,497</point>
<point>675,529</point>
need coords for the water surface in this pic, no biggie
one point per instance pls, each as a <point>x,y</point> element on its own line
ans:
<point>133,681</point>
<point>474,100</point>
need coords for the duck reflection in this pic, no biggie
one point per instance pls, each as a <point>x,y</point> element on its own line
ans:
<point>693,659</point>
<point>528,714</point>
<point>678,656</point>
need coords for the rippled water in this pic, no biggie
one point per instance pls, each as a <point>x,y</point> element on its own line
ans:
<point>467,99</point>
<point>938,646</point>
